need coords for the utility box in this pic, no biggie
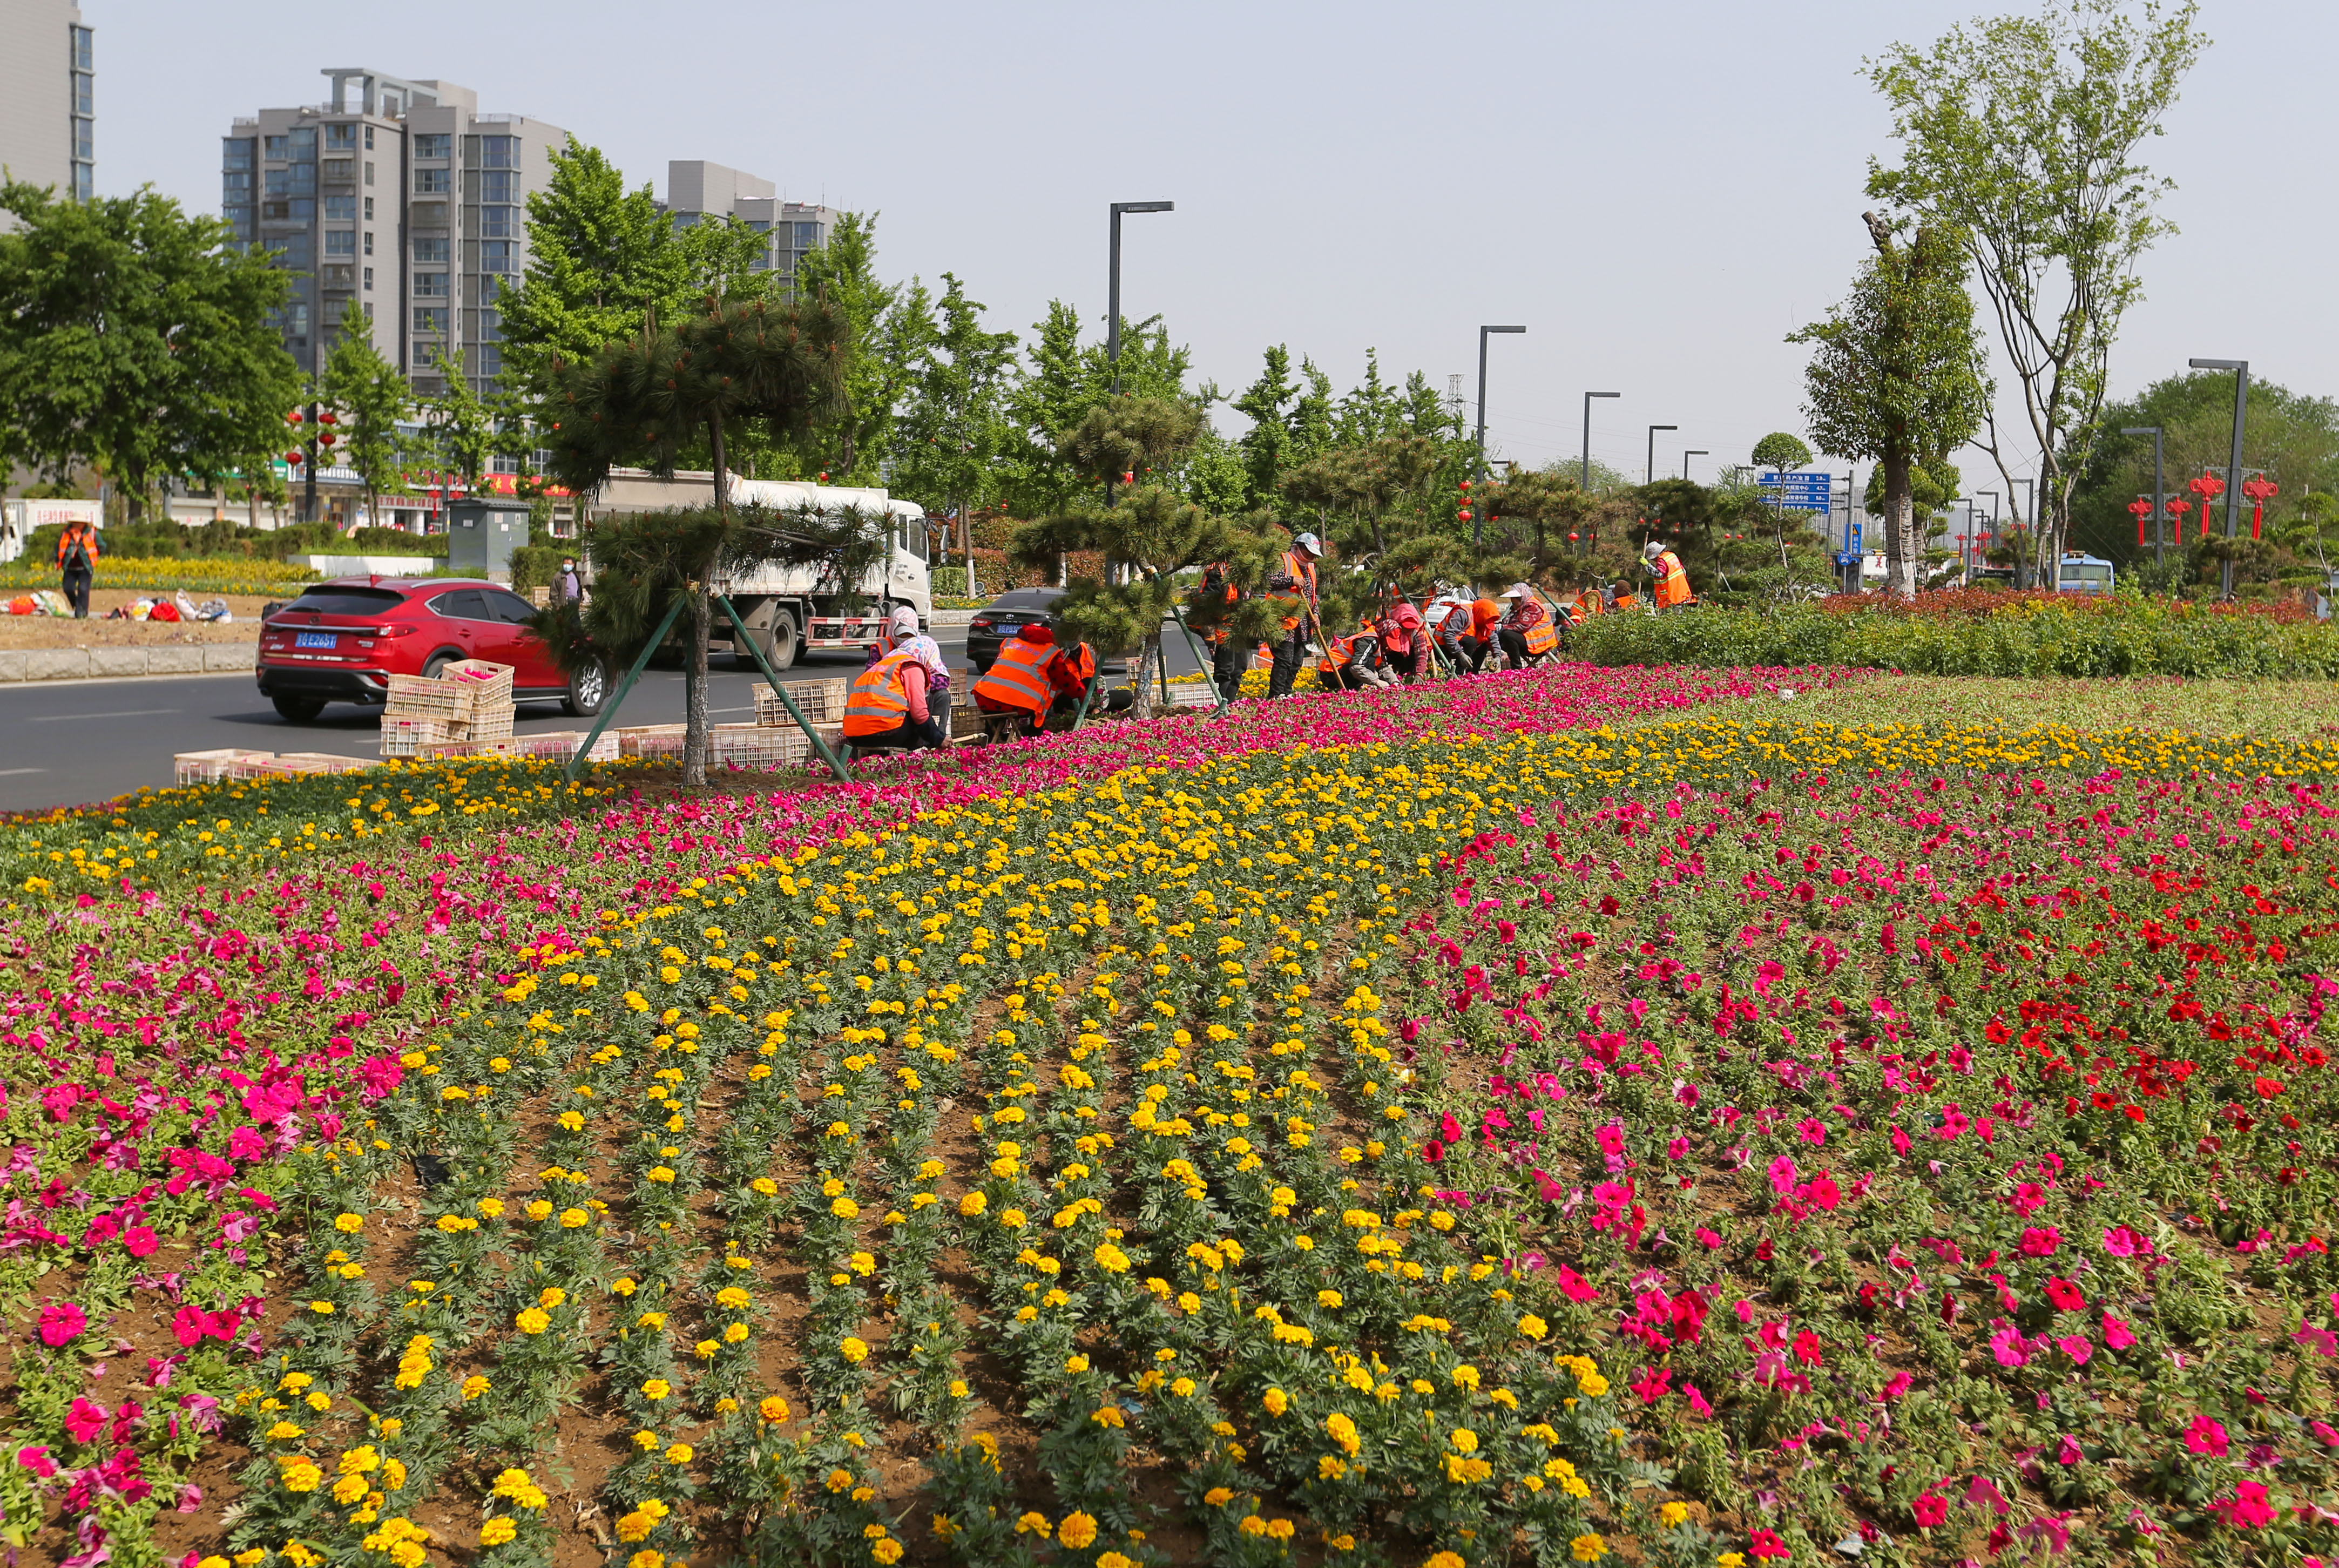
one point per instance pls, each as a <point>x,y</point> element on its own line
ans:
<point>482,532</point>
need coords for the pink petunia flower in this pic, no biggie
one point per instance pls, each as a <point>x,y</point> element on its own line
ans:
<point>2207,1436</point>
<point>62,1323</point>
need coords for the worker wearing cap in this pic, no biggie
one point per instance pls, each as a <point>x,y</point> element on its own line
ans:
<point>886,708</point>
<point>1672,591</point>
<point>1017,681</point>
<point>1293,587</point>
<point>78,564</point>
<point>1525,632</point>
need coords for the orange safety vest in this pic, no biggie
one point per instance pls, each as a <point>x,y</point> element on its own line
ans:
<point>1628,601</point>
<point>1216,635</point>
<point>1336,655</point>
<point>1018,676</point>
<point>1303,575</point>
<point>1672,583</point>
<point>1590,603</point>
<point>1542,639</point>
<point>82,533</point>
<point>880,699</point>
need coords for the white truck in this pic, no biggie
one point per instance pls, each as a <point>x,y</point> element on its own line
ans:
<point>794,609</point>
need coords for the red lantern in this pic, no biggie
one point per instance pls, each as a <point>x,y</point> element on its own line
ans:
<point>1573,537</point>
<point>2143,510</point>
<point>2177,507</point>
<point>294,417</point>
<point>1463,514</point>
<point>326,440</point>
<point>1465,484</point>
<point>327,420</point>
<point>293,456</point>
<point>2259,491</point>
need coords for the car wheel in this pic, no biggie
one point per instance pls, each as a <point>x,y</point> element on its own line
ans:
<point>588,688</point>
<point>436,668</point>
<point>298,710</point>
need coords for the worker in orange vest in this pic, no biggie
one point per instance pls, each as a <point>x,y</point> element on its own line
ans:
<point>1525,632</point>
<point>886,709</point>
<point>1478,643</point>
<point>77,560</point>
<point>1293,586</point>
<point>1017,681</point>
<point>1672,591</point>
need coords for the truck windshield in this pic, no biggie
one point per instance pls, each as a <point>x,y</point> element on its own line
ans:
<point>2095,575</point>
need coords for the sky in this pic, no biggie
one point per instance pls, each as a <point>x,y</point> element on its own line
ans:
<point>1659,193</point>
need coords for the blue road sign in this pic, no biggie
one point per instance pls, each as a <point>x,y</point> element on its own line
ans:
<point>1852,542</point>
<point>1801,491</point>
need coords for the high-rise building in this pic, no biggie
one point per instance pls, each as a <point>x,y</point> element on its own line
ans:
<point>48,85</point>
<point>695,189</point>
<point>397,195</point>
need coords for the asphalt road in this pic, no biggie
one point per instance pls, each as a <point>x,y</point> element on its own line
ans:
<point>64,742</point>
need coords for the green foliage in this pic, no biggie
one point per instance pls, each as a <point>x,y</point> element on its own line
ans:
<point>602,262</point>
<point>2139,637</point>
<point>1062,379</point>
<point>952,430</point>
<point>892,334</point>
<point>1781,451</point>
<point>1898,377</point>
<point>373,397</point>
<point>135,339</point>
<point>2021,137</point>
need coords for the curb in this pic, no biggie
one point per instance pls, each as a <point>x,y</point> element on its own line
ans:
<point>23,665</point>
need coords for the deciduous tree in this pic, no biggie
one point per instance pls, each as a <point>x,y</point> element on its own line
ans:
<point>373,397</point>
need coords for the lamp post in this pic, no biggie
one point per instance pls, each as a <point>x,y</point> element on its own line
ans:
<point>1697,452</point>
<point>2159,493</point>
<point>1993,528</point>
<point>2241,368</point>
<point>1586,480</point>
<point>1478,526</point>
<point>1112,303</point>
<point>1649,476</point>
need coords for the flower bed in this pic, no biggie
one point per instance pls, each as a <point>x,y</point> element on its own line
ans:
<point>198,575</point>
<point>794,1189</point>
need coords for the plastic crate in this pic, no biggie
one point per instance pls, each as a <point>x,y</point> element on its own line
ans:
<point>650,741</point>
<point>479,682</point>
<point>326,762</point>
<point>293,765</point>
<point>559,745</point>
<point>208,767</point>
<point>422,697</point>
<point>405,737</point>
<point>483,725</point>
<point>822,701</point>
<point>485,748</point>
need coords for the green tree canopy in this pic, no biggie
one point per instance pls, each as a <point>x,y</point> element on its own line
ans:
<point>1780,451</point>
<point>137,340</point>
<point>1897,377</point>
<point>373,397</point>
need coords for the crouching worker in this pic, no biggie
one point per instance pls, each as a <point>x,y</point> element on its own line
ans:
<point>888,710</point>
<point>1357,662</point>
<point>1032,679</point>
<point>1526,631</point>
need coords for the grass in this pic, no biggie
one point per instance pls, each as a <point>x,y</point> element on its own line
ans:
<point>2292,710</point>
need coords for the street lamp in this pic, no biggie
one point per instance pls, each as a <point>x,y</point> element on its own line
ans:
<point>1699,452</point>
<point>2159,493</point>
<point>1112,321</point>
<point>2241,368</point>
<point>1587,435</point>
<point>1483,332</point>
<point>1649,477</point>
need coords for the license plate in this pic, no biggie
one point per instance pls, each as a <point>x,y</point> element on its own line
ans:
<point>315,640</point>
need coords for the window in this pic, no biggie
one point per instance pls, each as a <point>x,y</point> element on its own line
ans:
<point>235,186</point>
<point>430,249</point>
<point>431,146</point>
<point>368,306</point>
<point>368,233</point>
<point>499,185</point>
<point>495,256</point>
<point>235,153</point>
<point>499,222</point>
<point>292,254</point>
<point>84,92</point>
<point>299,180</point>
<point>84,182</point>
<point>368,216</point>
<point>491,326</point>
<point>329,600</point>
<point>280,181</point>
<point>341,169</point>
<point>807,236</point>
<point>368,170</point>
<point>500,151</point>
<point>293,321</point>
<point>85,138</point>
<point>430,285</point>
<point>368,138</point>
<point>340,209</point>
<point>340,242</point>
<point>240,220</point>
<point>492,363</point>
<point>369,276</point>
<point>279,146</point>
<point>433,182</point>
<point>341,138</point>
<point>303,143</point>
<point>428,320</point>
<point>79,41</point>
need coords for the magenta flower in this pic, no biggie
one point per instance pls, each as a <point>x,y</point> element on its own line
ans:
<point>61,1323</point>
<point>1767,1543</point>
<point>2117,1334</point>
<point>2207,1436</point>
<point>36,1459</point>
<point>2064,1294</point>
<point>2040,1241</point>
<point>2076,1348</point>
<point>85,1420</point>
<point>2247,1509</point>
<point>1929,1509</point>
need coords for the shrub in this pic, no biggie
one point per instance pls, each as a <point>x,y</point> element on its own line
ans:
<point>2024,636</point>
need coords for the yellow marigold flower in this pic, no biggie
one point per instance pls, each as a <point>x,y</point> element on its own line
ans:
<point>1218,1496</point>
<point>735,1334</point>
<point>1330,1467</point>
<point>1111,1258</point>
<point>844,1208</point>
<point>1077,1531</point>
<point>1534,1327</point>
<point>645,1440</point>
<point>1277,1401</point>
<point>1464,1441</point>
<point>853,1350</point>
<point>1035,1524</point>
<point>1587,1548</point>
<point>1108,1416</point>
<point>657,1388</point>
<point>1445,1560</point>
<point>1673,1515</point>
<point>321,1308</point>
<point>1330,1298</point>
<point>1183,1387</point>
<point>498,1531</point>
<point>731,1298</point>
<point>551,1296</point>
<point>538,1208</point>
<point>886,1551</point>
<point>284,1432</point>
<point>349,1489</point>
<point>302,1477</point>
<point>774,1408</point>
<point>646,1559</point>
<point>531,1320</point>
<point>348,1225</point>
<point>1466,1376</point>
<point>679,1453</point>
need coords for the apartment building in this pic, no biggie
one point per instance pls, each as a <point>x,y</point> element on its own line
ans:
<point>397,195</point>
<point>695,189</point>
<point>48,92</point>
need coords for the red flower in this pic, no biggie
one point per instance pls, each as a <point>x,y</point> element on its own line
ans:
<point>1930,1509</point>
<point>1807,1348</point>
<point>1766,1544</point>
<point>2064,1294</point>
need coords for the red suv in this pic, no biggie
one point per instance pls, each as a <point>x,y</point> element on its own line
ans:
<point>341,641</point>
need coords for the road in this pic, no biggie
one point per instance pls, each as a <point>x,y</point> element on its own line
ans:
<point>70,742</point>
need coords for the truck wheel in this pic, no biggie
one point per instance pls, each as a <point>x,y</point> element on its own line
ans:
<point>780,643</point>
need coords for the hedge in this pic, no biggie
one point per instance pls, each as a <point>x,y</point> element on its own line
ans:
<point>2144,638</point>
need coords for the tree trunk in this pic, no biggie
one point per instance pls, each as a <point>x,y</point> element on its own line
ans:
<point>1899,508</point>
<point>1149,653</point>
<point>694,719</point>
